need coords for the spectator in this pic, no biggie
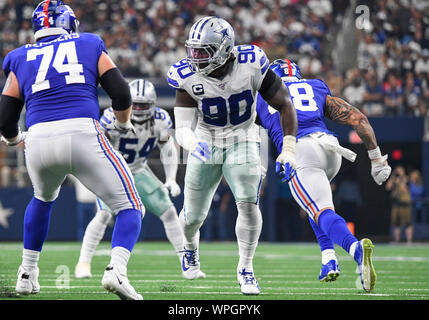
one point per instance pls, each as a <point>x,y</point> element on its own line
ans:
<point>401,204</point>
<point>417,193</point>
<point>422,64</point>
<point>355,89</point>
<point>413,96</point>
<point>393,95</point>
<point>373,97</point>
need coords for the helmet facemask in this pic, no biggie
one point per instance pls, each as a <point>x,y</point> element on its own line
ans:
<point>204,58</point>
<point>142,111</point>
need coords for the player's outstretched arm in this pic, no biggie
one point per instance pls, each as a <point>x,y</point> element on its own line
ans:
<point>185,113</point>
<point>11,105</point>
<point>276,95</point>
<point>342,112</point>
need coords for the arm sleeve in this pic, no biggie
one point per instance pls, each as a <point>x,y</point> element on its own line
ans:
<point>169,158</point>
<point>10,110</point>
<point>270,120</point>
<point>184,134</point>
<point>117,88</point>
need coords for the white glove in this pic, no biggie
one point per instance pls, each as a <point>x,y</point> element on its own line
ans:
<point>285,162</point>
<point>173,187</point>
<point>380,170</point>
<point>201,151</point>
<point>121,127</point>
<point>19,138</point>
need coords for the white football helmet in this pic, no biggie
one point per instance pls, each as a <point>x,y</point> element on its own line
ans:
<point>210,42</point>
<point>143,96</point>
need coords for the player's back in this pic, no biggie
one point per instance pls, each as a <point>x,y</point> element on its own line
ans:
<point>58,77</point>
<point>309,98</point>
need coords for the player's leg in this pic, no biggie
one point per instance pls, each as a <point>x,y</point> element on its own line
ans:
<point>316,199</point>
<point>156,200</point>
<point>94,232</point>
<point>311,155</point>
<point>46,163</point>
<point>201,182</point>
<point>104,172</point>
<point>243,172</point>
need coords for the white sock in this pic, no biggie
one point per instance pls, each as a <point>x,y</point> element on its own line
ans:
<point>191,233</point>
<point>247,229</point>
<point>353,248</point>
<point>172,228</point>
<point>30,258</point>
<point>328,255</point>
<point>119,258</point>
<point>93,234</point>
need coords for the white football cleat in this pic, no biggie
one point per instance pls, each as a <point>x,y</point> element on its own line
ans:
<point>248,283</point>
<point>27,282</point>
<point>191,264</point>
<point>82,270</point>
<point>117,282</point>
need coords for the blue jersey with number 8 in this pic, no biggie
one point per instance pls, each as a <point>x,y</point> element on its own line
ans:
<point>309,98</point>
<point>58,77</point>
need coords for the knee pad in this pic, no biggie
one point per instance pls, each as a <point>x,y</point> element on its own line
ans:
<point>169,215</point>
<point>250,212</point>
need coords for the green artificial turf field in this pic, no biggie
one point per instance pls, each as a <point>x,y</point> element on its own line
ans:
<point>285,271</point>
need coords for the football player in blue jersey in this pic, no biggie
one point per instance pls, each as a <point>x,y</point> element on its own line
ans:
<point>318,157</point>
<point>57,79</point>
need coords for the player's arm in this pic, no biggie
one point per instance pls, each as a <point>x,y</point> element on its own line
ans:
<point>11,105</point>
<point>185,113</point>
<point>342,112</point>
<point>276,95</point>
<point>116,87</point>
<point>170,160</point>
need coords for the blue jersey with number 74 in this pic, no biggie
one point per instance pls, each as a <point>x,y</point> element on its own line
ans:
<point>309,98</point>
<point>58,77</point>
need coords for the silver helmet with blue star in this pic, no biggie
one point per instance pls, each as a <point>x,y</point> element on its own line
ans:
<point>209,45</point>
<point>143,96</point>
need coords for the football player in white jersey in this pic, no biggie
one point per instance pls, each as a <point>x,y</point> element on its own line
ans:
<point>152,128</point>
<point>216,87</point>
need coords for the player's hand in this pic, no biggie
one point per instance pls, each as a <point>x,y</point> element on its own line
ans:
<point>285,167</point>
<point>121,127</point>
<point>173,187</point>
<point>380,169</point>
<point>201,151</point>
<point>285,162</point>
<point>19,138</point>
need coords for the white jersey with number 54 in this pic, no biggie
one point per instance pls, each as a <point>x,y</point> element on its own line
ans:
<point>227,106</point>
<point>136,148</point>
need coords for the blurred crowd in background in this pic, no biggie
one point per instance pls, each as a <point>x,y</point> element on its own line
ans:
<point>390,77</point>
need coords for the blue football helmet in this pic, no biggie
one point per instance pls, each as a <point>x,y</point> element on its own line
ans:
<point>53,18</point>
<point>286,69</point>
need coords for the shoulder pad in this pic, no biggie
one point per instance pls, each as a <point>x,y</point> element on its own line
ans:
<point>178,73</point>
<point>253,56</point>
<point>107,117</point>
<point>162,116</point>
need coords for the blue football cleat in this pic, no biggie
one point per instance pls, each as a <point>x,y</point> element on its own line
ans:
<point>363,257</point>
<point>329,271</point>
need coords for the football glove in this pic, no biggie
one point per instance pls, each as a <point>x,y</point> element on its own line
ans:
<point>121,127</point>
<point>19,138</point>
<point>201,151</point>
<point>285,162</point>
<point>173,187</point>
<point>380,170</point>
